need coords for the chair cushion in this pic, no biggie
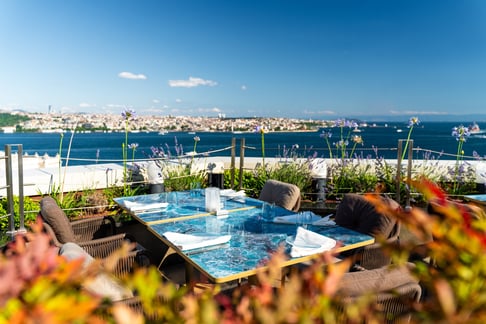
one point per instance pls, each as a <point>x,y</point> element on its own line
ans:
<point>376,280</point>
<point>283,194</point>
<point>103,284</point>
<point>356,213</point>
<point>53,215</point>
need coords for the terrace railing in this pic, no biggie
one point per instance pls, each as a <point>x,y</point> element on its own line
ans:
<point>9,187</point>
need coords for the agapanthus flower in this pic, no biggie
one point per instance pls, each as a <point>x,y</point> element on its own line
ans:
<point>259,129</point>
<point>460,133</point>
<point>357,139</point>
<point>196,139</point>
<point>413,121</point>
<point>128,114</point>
<point>325,134</point>
<point>133,146</point>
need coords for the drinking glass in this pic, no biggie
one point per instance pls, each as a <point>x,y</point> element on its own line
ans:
<point>172,198</point>
<point>195,189</point>
<point>306,219</point>
<point>268,211</point>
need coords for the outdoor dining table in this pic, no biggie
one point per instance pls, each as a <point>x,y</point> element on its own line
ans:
<point>479,199</point>
<point>248,236</point>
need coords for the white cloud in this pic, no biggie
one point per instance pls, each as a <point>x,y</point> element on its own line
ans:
<point>86,105</point>
<point>243,87</point>
<point>156,101</point>
<point>67,110</point>
<point>115,106</point>
<point>208,110</point>
<point>320,112</point>
<point>178,100</point>
<point>413,112</point>
<point>192,82</point>
<point>131,76</point>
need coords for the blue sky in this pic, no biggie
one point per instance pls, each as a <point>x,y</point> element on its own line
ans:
<point>307,59</point>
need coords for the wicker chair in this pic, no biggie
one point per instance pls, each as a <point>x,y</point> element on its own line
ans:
<point>108,285</point>
<point>283,194</point>
<point>373,256</point>
<point>356,213</point>
<point>95,235</point>
<point>394,292</point>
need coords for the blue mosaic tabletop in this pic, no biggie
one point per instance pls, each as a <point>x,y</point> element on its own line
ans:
<point>251,244</point>
<point>182,204</point>
<point>253,236</point>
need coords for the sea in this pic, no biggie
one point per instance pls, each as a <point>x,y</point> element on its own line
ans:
<point>431,140</point>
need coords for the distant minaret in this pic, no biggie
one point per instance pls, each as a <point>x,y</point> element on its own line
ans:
<point>49,109</point>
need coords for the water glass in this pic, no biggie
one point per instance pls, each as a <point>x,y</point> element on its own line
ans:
<point>268,211</point>
<point>301,220</point>
<point>172,198</point>
<point>213,199</point>
<point>305,218</point>
<point>213,225</point>
<point>195,189</point>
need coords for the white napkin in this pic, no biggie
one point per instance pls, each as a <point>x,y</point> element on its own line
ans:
<point>325,221</point>
<point>230,193</point>
<point>306,238</point>
<point>293,219</point>
<point>138,206</point>
<point>193,241</point>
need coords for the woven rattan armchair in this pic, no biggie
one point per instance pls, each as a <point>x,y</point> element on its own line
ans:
<point>95,235</point>
<point>393,291</point>
<point>109,285</point>
<point>358,214</point>
<point>373,256</point>
<point>282,194</point>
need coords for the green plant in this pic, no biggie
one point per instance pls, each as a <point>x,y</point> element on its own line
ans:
<point>411,123</point>
<point>454,281</point>
<point>295,172</point>
<point>180,177</point>
<point>461,133</point>
<point>44,287</point>
<point>251,181</point>
<point>127,115</point>
<point>31,209</point>
<point>261,130</point>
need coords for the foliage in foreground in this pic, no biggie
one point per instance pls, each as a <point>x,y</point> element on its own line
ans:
<point>46,288</point>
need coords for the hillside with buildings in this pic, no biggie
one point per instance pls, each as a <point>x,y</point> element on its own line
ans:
<point>57,122</point>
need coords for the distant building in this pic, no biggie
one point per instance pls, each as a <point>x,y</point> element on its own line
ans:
<point>8,129</point>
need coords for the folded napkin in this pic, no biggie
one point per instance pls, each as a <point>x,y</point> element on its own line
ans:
<point>294,218</point>
<point>325,221</point>
<point>194,241</point>
<point>230,193</point>
<point>138,206</point>
<point>306,242</point>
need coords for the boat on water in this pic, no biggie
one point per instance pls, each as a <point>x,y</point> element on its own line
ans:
<point>474,128</point>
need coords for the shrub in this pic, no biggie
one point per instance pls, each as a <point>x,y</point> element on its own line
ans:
<point>46,288</point>
<point>31,208</point>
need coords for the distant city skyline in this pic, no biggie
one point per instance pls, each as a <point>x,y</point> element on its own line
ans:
<point>293,59</point>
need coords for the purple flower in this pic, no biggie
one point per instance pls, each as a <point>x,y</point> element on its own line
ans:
<point>128,114</point>
<point>259,129</point>
<point>460,133</point>
<point>413,121</point>
<point>325,134</point>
